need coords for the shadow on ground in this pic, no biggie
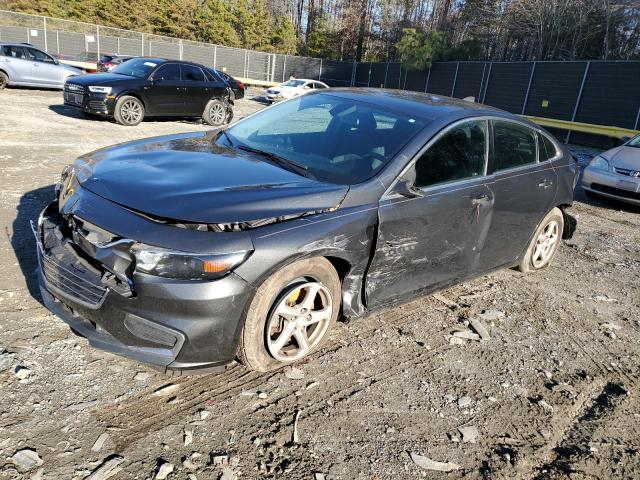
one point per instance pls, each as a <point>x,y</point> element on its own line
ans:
<point>22,240</point>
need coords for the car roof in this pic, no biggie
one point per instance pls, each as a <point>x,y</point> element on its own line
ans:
<point>19,44</point>
<point>420,104</point>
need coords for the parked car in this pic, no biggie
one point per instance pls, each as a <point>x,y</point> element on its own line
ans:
<point>292,88</point>
<point>110,61</point>
<point>144,87</point>
<point>615,173</point>
<point>22,64</point>
<point>188,250</point>
<point>236,86</point>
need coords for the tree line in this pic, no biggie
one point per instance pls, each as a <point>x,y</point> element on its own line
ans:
<point>415,32</point>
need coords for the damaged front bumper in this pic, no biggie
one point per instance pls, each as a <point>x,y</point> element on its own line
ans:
<point>171,324</point>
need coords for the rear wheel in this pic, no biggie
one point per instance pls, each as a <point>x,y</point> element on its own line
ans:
<point>290,315</point>
<point>545,242</point>
<point>128,111</point>
<point>4,80</point>
<point>215,113</point>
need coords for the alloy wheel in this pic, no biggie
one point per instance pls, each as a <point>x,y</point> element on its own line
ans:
<point>299,321</point>
<point>131,111</point>
<point>217,113</point>
<point>545,244</point>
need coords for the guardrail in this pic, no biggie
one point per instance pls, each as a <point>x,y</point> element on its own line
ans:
<point>609,131</point>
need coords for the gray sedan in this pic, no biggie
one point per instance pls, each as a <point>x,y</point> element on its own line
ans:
<point>22,64</point>
<point>616,173</point>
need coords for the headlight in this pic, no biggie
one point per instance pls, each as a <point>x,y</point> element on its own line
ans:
<point>100,89</point>
<point>183,265</point>
<point>600,163</point>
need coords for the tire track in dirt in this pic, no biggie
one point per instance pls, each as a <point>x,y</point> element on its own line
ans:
<point>132,417</point>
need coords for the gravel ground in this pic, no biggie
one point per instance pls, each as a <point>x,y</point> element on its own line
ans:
<point>553,393</point>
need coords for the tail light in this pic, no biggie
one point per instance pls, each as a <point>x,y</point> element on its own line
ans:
<point>241,85</point>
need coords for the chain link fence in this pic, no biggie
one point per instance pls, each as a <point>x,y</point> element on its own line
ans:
<point>597,92</point>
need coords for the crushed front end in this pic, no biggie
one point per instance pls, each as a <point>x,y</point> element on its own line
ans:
<point>89,278</point>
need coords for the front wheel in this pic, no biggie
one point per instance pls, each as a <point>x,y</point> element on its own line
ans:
<point>545,242</point>
<point>290,315</point>
<point>128,111</point>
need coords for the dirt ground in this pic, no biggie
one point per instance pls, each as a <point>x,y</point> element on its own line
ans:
<point>552,394</point>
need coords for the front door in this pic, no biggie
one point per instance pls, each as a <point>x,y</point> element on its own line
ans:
<point>524,191</point>
<point>45,70</point>
<point>433,224</point>
<point>165,91</point>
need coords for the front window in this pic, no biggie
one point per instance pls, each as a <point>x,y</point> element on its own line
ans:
<point>137,67</point>
<point>338,140</point>
<point>634,142</point>
<point>39,56</point>
<point>293,83</point>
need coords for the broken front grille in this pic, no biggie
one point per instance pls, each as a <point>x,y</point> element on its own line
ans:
<point>71,284</point>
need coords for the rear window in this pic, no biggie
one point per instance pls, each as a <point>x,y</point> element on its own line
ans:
<point>14,51</point>
<point>514,145</point>
<point>191,73</point>
<point>546,147</point>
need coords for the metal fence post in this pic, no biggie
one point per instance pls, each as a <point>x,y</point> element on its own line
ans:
<point>215,54</point>
<point>575,109</point>
<point>320,71</point>
<point>637,120</point>
<point>486,85</point>
<point>284,66</point>
<point>57,41</point>
<point>526,97</point>
<point>455,79</point>
<point>180,49</point>
<point>46,44</point>
<point>484,68</point>
<point>385,75</point>
<point>142,44</point>
<point>369,79</point>
<point>426,85</point>
<point>353,74</point>
<point>118,45</point>
<point>98,41</point>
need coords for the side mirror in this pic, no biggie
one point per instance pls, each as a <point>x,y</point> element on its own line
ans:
<point>405,188</point>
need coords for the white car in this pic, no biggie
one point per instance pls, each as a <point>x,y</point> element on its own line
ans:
<point>293,88</point>
<point>615,173</point>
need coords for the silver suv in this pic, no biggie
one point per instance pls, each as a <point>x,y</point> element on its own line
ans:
<point>25,65</point>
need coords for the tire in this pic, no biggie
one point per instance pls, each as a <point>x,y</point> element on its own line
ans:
<point>4,80</point>
<point>129,111</point>
<point>539,256</point>
<point>281,293</point>
<point>215,113</point>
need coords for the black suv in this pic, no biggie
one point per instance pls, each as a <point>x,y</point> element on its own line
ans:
<point>152,87</point>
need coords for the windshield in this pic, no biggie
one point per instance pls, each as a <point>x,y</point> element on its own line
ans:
<point>293,83</point>
<point>136,67</point>
<point>634,142</point>
<point>336,140</point>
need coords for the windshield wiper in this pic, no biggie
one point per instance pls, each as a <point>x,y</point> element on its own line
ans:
<point>224,132</point>
<point>284,162</point>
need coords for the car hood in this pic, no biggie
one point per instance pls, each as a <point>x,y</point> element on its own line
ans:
<point>70,69</point>
<point>625,157</point>
<point>188,178</point>
<point>102,79</point>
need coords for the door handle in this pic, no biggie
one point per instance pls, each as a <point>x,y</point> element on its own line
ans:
<point>544,183</point>
<point>36,64</point>
<point>480,199</point>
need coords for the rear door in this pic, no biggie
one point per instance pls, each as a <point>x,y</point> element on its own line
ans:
<point>45,70</point>
<point>524,191</point>
<point>18,63</point>
<point>432,233</point>
<point>198,90</point>
<point>165,91</point>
